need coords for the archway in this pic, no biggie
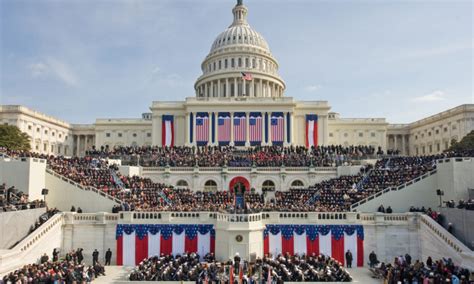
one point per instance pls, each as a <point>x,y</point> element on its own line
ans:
<point>239,183</point>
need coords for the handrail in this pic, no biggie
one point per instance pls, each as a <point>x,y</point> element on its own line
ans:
<point>37,234</point>
<point>392,188</point>
<point>86,188</point>
<point>238,169</point>
<point>443,234</point>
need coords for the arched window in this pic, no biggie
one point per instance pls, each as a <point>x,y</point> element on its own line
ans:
<point>240,62</point>
<point>268,185</point>
<point>182,183</point>
<point>297,183</point>
<point>210,185</point>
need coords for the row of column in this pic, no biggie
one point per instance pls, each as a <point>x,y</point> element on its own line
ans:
<point>81,143</point>
<point>230,87</point>
<point>403,142</point>
<point>265,115</point>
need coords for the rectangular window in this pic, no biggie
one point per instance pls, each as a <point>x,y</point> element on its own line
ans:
<point>445,129</point>
<point>46,132</point>
<point>134,135</point>
<point>225,63</point>
<point>361,134</point>
<point>454,127</point>
<point>330,134</point>
<point>438,147</point>
<point>148,134</point>
<point>431,148</point>
<point>372,134</point>
<point>29,127</point>
<point>437,131</point>
<point>107,134</point>
<point>119,134</point>
<point>220,65</point>
<point>232,63</point>
<point>52,133</point>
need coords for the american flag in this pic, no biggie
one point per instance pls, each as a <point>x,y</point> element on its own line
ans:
<point>223,127</point>
<point>255,128</point>
<point>277,129</point>
<point>202,128</point>
<point>240,127</point>
<point>247,76</point>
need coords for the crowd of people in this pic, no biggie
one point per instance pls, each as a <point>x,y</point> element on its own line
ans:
<point>143,194</point>
<point>280,269</point>
<point>12,200</point>
<point>219,156</point>
<point>68,269</point>
<point>404,270</point>
<point>462,204</point>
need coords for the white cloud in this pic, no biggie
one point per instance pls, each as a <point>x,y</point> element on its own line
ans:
<point>38,69</point>
<point>434,96</point>
<point>312,88</point>
<point>56,68</point>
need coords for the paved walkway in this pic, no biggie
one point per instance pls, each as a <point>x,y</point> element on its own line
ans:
<point>118,274</point>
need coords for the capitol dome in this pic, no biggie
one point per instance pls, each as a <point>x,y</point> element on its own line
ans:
<point>239,63</point>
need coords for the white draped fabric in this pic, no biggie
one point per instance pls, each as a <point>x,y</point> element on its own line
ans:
<point>350,243</point>
<point>204,244</point>
<point>129,253</point>
<point>168,133</point>
<point>299,243</point>
<point>325,244</point>
<point>178,243</point>
<point>311,133</point>
<point>154,244</point>
<point>274,244</point>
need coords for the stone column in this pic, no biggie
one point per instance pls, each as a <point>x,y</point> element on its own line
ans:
<point>219,88</point>
<point>231,129</point>
<point>395,146</point>
<point>268,93</point>
<point>227,89</point>
<point>252,88</point>
<point>235,87</point>
<point>244,87</point>
<point>403,152</point>
<point>206,94</point>
<point>247,126</point>
<point>263,129</point>
<point>212,89</point>
<point>285,142</point>
<point>187,137</point>
<point>261,88</point>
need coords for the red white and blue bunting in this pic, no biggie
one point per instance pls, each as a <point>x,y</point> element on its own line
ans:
<point>138,242</point>
<point>331,240</point>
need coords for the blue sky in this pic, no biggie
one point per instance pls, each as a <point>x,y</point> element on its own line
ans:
<point>80,60</point>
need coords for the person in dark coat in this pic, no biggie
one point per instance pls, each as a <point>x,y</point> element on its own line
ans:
<point>79,255</point>
<point>108,256</point>
<point>95,257</point>
<point>408,259</point>
<point>349,259</point>
<point>373,259</point>
<point>55,255</point>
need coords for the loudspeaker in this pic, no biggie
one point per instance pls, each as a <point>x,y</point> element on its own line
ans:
<point>44,191</point>
<point>439,192</point>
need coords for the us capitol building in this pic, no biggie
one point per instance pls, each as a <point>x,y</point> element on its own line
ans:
<point>240,100</point>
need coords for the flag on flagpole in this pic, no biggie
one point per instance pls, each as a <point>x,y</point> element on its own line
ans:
<point>247,76</point>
